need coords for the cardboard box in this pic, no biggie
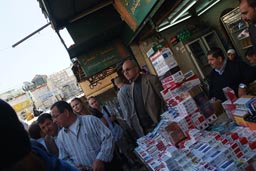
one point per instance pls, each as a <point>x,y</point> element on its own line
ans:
<point>199,97</point>
<point>175,133</point>
<point>168,82</point>
<point>241,102</point>
<point>239,117</point>
<point>229,94</point>
<point>228,165</point>
<point>195,91</point>
<point>191,80</point>
<point>251,105</point>
<point>166,94</point>
<point>207,109</point>
<point>217,107</point>
<point>216,158</point>
<point>229,107</point>
<point>251,121</point>
<point>163,61</point>
<point>175,75</point>
<point>211,119</point>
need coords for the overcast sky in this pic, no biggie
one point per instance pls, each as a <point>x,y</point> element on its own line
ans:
<point>41,54</point>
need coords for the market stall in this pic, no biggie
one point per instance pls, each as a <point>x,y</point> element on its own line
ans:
<point>194,133</point>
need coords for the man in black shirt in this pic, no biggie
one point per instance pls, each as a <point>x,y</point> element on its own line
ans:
<point>236,75</point>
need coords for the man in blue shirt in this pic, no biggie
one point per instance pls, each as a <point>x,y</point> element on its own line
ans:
<point>19,153</point>
<point>125,101</point>
<point>83,141</point>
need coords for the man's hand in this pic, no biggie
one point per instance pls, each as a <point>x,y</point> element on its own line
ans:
<point>98,165</point>
<point>112,118</point>
<point>83,168</point>
<point>242,91</point>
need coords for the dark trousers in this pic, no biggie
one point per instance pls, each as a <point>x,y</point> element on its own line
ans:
<point>116,163</point>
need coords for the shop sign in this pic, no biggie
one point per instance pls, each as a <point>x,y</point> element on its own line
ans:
<point>134,12</point>
<point>22,105</point>
<point>102,58</point>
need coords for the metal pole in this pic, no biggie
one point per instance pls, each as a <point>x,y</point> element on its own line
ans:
<point>22,40</point>
<point>62,41</point>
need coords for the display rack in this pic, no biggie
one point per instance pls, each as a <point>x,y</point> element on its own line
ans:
<point>237,30</point>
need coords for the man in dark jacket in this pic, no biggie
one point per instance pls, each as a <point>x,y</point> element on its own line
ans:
<point>236,75</point>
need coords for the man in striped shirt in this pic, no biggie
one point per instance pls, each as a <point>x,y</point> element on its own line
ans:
<point>83,140</point>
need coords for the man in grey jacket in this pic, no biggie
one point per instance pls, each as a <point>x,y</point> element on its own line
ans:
<point>147,99</point>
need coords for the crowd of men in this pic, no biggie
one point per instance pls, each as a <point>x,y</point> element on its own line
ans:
<point>71,138</point>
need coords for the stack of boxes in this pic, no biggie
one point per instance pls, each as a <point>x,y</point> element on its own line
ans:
<point>242,110</point>
<point>203,150</point>
<point>188,109</point>
<point>191,105</point>
<point>188,105</point>
<point>166,66</point>
<point>181,91</point>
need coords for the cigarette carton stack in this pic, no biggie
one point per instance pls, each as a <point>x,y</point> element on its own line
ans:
<point>242,110</point>
<point>201,150</point>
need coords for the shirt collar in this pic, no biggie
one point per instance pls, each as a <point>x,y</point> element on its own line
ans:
<point>138,79</point>
<point>221,70</point>
<point>74,128</point>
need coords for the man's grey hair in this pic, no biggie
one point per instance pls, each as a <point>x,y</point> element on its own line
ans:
<point>134,63</point>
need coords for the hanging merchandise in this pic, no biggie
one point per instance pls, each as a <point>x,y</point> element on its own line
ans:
<point>237,30</point>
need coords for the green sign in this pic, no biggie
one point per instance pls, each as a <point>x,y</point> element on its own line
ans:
<point>138,9</point>
<point>102,58</point>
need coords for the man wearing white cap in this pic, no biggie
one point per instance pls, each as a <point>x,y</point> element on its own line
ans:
<point>232,55</point>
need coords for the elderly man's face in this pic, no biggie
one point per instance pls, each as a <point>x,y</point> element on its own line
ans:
<point>59,118</point>
<point>247,12</point>
<point>130,71</point>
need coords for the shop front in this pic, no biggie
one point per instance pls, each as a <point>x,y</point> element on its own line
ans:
<point>190,38</point>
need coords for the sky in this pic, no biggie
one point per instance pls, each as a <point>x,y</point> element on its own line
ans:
<point>42,54</point>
